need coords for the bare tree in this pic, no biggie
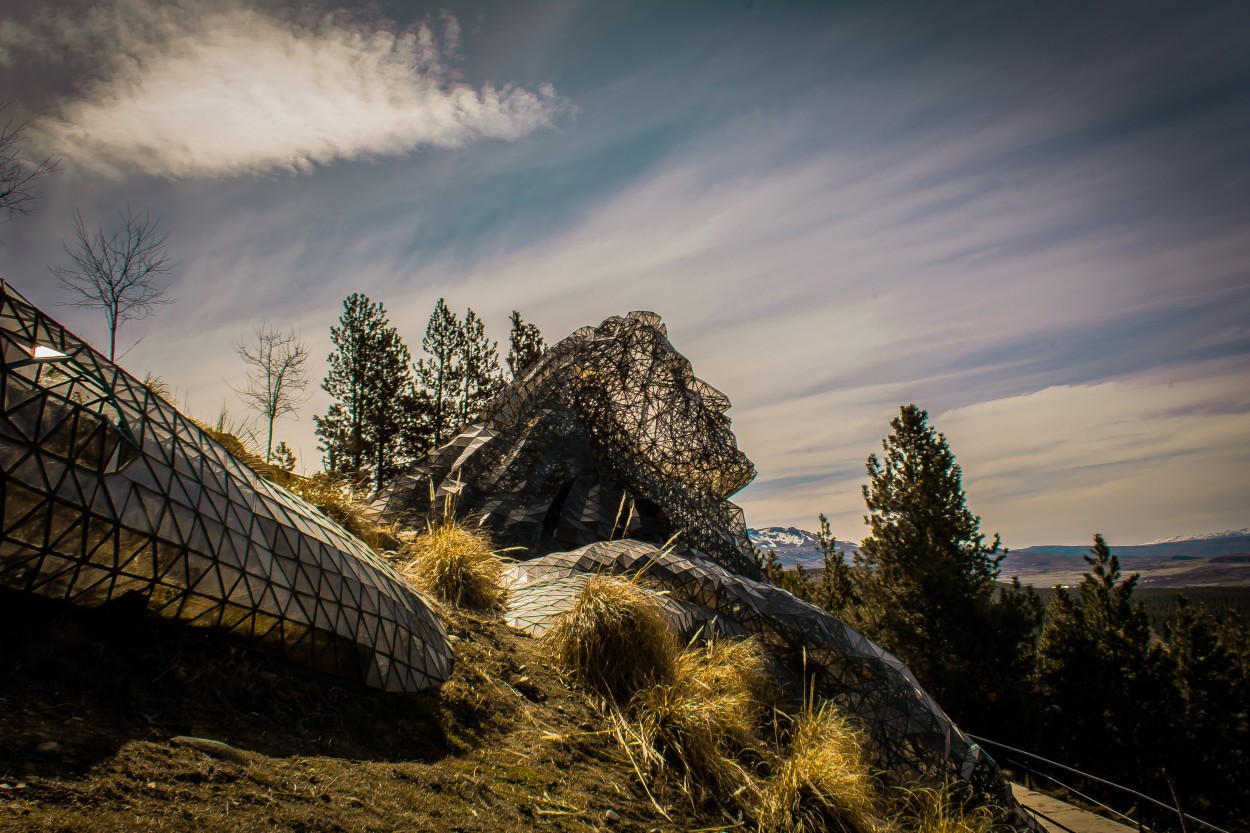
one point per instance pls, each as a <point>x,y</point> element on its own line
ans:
<point>277,375</point>
<point>17,176</point>
<point>119,272</point>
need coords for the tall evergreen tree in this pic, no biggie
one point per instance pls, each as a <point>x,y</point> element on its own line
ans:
<point>927,579</point>
<point>438,375</point>
<point>458,377</point>
<point>1212,752</point>
<point>835,591</point>
<point>480,378</point>
<point>363,433</point>
<point>525,346</point>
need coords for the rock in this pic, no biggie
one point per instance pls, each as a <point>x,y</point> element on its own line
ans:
<point>49,747</point>
<point>213,748</point>
<point>612,815</point>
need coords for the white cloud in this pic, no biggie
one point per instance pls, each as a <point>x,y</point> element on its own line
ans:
<point>188,92</point>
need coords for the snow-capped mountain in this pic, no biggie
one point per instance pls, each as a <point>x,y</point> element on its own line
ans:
<point>1232,542</point>
<point>1232,533</point>
<point>793,546</point>
<point>782,537</point>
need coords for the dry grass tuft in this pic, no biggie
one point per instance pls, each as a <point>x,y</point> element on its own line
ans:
<point>337,499</point>
<point>736,665</point>
<point>700,721</point>
<point>456,564</point>
<point>615,640</point>
<point>945,810</point>
<point>334,495</point>
<point>824,783</point>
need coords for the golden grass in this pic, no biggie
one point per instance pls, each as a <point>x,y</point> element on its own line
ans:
<point>701,720</point>
<point>737,665</point>
<point>456,564</point>
<point>824,783</point>
<point>943,810</point>
<point>615,640</point>
<point>334,495</point>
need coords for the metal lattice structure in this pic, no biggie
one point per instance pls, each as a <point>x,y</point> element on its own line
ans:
<point>109,491</point>
<point>609,434</point>
<point>910,734</point>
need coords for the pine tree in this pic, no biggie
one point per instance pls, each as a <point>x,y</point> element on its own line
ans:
<point>438,376</point>
<point>835,591</point>
<point>927,579</point>
<point>774,570</point>
<point>458,378</point>
<point>283,457</point>
<point>795,581</point>
<point>525,346</point>
<point>1212,751</point>
<point>370,378</point>
<point>334,438</point>
<point>1105,689</point>
<point>1066,661</point>
<point>480,378</point>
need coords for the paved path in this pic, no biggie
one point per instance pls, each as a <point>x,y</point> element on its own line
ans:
<point>1077,820</point>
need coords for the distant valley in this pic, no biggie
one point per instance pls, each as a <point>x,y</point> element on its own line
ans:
<point>1219,559</point>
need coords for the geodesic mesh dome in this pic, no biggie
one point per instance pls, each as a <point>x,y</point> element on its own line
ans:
<point>910,734</point>
<point>107,491</point>
<point>608,434</point>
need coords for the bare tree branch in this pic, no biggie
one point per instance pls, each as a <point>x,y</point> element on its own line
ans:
<point>277,374</point>
<point>120,273</point>
<point>18,192</point>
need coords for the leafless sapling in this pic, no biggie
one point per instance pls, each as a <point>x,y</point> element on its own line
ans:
<point>121,272</point>
<point>18,177</point>
<point>277,375</point>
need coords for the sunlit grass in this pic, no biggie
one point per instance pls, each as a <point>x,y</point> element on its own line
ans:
<point>456,564</point>
<point>823,783</point>
<point>615,640</point>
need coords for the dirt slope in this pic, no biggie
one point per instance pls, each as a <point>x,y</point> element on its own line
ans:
<point>507,747</point>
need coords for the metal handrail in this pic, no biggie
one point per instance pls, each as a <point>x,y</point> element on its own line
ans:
<point>1098,805</point>
<point>1104,781</point>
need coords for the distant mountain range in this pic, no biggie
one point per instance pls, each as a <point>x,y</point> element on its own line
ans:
<point>794,546</point>
<point>1232,542</point>
<point>1214,559</point>
<point>1219,559</point>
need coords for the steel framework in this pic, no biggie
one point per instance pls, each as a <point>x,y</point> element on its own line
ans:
<point>107,490</point>
<point>610,434</point>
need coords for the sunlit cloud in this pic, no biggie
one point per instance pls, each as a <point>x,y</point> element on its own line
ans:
<point>193,91</point>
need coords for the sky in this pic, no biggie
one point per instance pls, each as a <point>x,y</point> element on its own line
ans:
<point>1027,218</point>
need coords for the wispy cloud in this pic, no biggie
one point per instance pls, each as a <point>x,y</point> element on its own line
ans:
<point>1026,228</point>
<point>187,90</point>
